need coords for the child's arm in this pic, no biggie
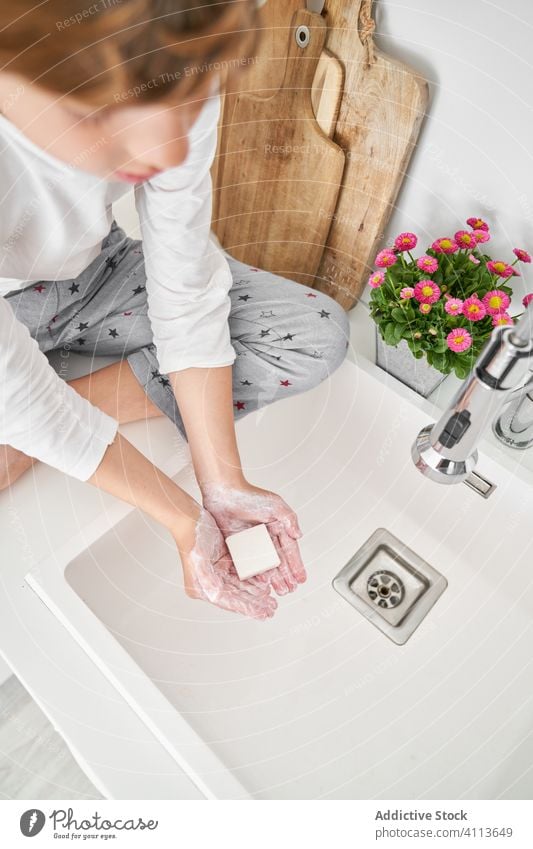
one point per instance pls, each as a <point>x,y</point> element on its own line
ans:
<point>205,400</point>
<point>40,414</point>
<point>188,282</point>
<point>187,276</point>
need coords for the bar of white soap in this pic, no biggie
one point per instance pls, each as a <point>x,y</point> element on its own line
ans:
<point>252,551</point>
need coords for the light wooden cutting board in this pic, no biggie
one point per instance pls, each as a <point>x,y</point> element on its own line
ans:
<point>381,110</point>
<point>279,174</point>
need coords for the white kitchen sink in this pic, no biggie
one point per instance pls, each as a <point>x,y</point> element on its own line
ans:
<point>318,702</point>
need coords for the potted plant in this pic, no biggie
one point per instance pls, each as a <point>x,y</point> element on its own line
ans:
<point>434,313</point>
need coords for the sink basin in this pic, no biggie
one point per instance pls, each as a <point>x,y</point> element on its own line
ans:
<point>317,703</point>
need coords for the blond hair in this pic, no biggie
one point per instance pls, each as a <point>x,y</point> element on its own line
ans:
<point>97,51</point>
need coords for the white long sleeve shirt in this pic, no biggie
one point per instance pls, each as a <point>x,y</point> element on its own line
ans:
<point>53,218</point>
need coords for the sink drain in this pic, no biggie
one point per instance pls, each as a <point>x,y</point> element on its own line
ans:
<point>385,588</point>
<point>390,585</point>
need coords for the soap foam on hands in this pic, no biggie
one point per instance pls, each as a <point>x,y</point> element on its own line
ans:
<point>252,551</point>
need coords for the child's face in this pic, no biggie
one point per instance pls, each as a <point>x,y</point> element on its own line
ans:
<point>130,142</point>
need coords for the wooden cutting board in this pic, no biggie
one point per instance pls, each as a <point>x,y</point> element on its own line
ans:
<point>278,174</point>
<point>380,114</point>
<point>382,108</point>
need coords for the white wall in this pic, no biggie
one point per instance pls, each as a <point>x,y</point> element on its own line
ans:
<point>5,671</point>
<point>474,151</point>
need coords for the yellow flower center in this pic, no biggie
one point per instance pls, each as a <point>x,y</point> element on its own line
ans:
<point>459,339</point>
<point>495,302</point>
<point>427,291</point>
<point>446,243</point>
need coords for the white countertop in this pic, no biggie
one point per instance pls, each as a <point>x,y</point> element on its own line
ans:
<point>42,512</point>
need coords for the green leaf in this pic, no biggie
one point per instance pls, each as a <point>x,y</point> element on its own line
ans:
<point>460,371</point>
<point>440,346</point>
<point>399,315</point>
<point>389,333</point>
<point>398,332</point>
<point>439,362</point>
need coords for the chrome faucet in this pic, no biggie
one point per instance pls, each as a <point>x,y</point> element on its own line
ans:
<point>446,451</point>
<point>514,425</point>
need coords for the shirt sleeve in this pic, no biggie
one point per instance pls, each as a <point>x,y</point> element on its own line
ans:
<point>40,414</point>
<point>187,275</point>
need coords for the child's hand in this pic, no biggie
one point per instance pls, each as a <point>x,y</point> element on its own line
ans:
<point>238,507</point>
<point>209,573</point>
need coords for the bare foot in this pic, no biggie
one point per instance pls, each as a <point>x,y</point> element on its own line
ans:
<point>13,464</point>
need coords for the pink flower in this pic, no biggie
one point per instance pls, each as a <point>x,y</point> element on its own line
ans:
<point>496,301</point>
<point>405,242</point>
<point>474,309</point>
<point>385,258</point>
<point>500,268</point>
<point>427,292</point>
<point>472,258</point>
<point>501,318</point>
<point>477,224</point>
<point>527,299</point>
<point>458,340</point>
<point>481,236</point>
<point>425,308</point>
<point>376,279</point>
<point>523,256</point>
<point>445,246</point>
<point>407,292</point>
<point>465,239</point>
<point>427,263</point>
<point>453,306</point>
<point>512,271</point>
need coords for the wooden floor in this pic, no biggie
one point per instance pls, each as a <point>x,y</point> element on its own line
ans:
<point>35,762</point>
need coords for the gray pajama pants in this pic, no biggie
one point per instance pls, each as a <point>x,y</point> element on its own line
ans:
<point>287,336</point>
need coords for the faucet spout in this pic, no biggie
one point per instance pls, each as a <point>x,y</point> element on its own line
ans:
<point>446,451</point>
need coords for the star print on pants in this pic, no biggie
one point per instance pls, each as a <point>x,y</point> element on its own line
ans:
<point>244,297</point>
<point>285,383</point>
<point>74,288</point>
<point>310,295</point>
<point>265,332</point>
<point>156,373</point>
<point>82,326</point>
<point>246,383</point>
<point>138,290</point>
<point>289,336</point>
<point>324,314</point>
<point>80,341</point>
<point>113,333</point>
<point>164,381</point>
<point>40,288</point>
<point>240,405</point>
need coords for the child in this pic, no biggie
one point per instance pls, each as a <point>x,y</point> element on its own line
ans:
<point>96,101</point>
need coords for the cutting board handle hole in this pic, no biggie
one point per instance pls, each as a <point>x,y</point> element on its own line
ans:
<point>302,36</point>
